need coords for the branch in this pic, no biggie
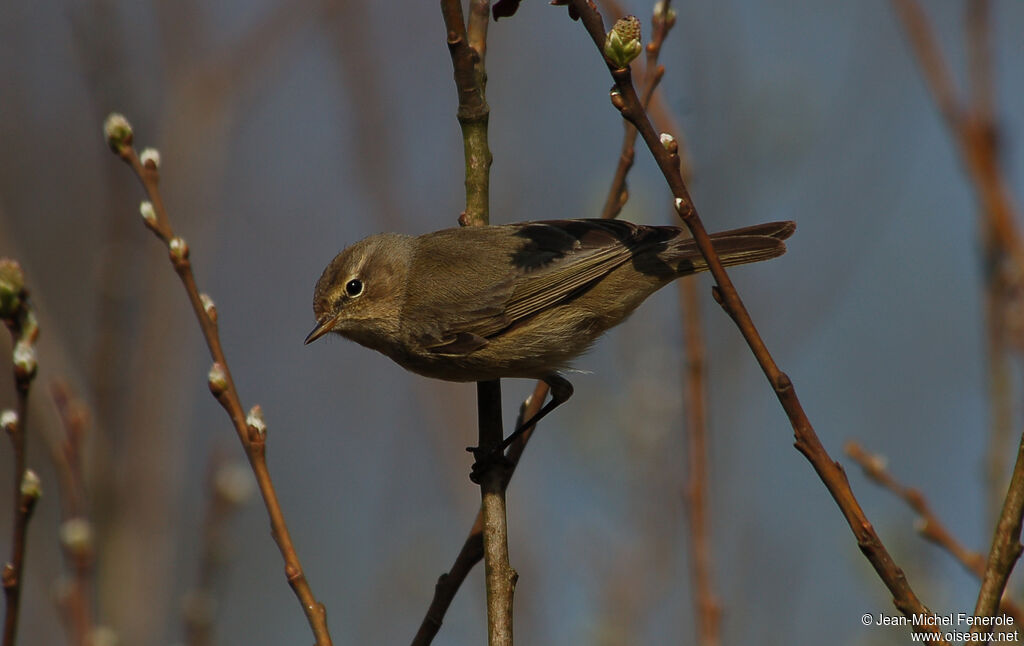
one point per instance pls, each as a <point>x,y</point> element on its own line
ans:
<point>929,525</point>
<point>661,22</point>
<point>228,486</point>
<point>831,473</point>
<point>974,133</point>
<point>468,49</point>
<point>251,429</point>
<point>473,547</point>
<point>76,529</point>
<point>706,606</point>
<point>20,319</point>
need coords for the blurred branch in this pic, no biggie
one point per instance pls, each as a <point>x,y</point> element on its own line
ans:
<point>973,131</point>
<point>77,535</point>
<point>228,486</point>
<point>251,429</point>
<point>706,607</point>
<point>625,99</point>
<point>929,525</point>
<point>20,319</point>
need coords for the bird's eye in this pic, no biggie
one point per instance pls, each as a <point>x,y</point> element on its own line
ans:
<point>354,287</point>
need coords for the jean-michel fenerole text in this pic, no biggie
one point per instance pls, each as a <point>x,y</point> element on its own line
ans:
<point>949,619</point>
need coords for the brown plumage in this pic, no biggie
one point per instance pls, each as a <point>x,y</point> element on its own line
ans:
<point>516,300</point>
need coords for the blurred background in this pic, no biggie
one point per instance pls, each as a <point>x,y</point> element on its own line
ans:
<point>290,130</point>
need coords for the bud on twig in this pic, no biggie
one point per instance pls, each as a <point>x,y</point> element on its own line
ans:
<point>9,421</point>
<point>118,131</point>
<point>76,536</point>
<point>148,213</point>
<point>208,306</point>
<point>150,158</point>
<point>670,144</point>
<point>179,250</point>
<point>12,286</point>
<point>254,420</point>
<point>31,485</point>
<point>670,15</point>
<point>218,379</point>
<point>622,44</point>
<point>24,360</point>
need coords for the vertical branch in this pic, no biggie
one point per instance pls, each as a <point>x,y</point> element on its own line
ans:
<point>228,487</point>
<point>499,576</point>
<point>19,317</point>
<point>473,547</point>
<point>706,608</point>
<point>250,429</point>
<point>76,530</point>
<point>468,48</point>
<point>706,605</point>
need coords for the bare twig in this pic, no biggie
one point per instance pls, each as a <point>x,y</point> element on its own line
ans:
<point>76,532</point>
<point>228,486</point>
<point>251,430</point>
<point>831,473</point>
<point>473,548</point>
<point>19,317</point>
<point>707,609</point>
<point>929,525</point>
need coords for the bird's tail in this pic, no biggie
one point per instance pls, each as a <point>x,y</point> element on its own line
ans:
<point>736,247</point>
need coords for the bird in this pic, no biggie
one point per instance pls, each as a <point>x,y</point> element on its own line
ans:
<point>515,300</point>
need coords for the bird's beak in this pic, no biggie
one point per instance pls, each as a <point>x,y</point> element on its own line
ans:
<point>323,326</point>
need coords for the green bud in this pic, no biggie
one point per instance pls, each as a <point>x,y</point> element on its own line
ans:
<point>622,45</point>
<point>12,285</point>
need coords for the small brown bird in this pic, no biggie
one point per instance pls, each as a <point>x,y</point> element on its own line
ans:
<point>516,300</point>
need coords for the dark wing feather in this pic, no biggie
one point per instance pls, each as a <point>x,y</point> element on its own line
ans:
<point>528,269</point>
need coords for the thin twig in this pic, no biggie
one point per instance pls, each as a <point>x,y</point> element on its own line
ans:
<point>618,193</point>
<point>929,525</point>
<point>473,547</point>
<point>251,430</point>
<point>228,487</point>
<point>831,473</point>
<point>77,535</point>
<point>706,606</point>
<point>19,317</point>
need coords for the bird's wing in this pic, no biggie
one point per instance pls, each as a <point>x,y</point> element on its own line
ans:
<point>540,265</point>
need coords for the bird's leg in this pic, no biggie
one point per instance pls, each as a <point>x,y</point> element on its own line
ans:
<point>561,390</point>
